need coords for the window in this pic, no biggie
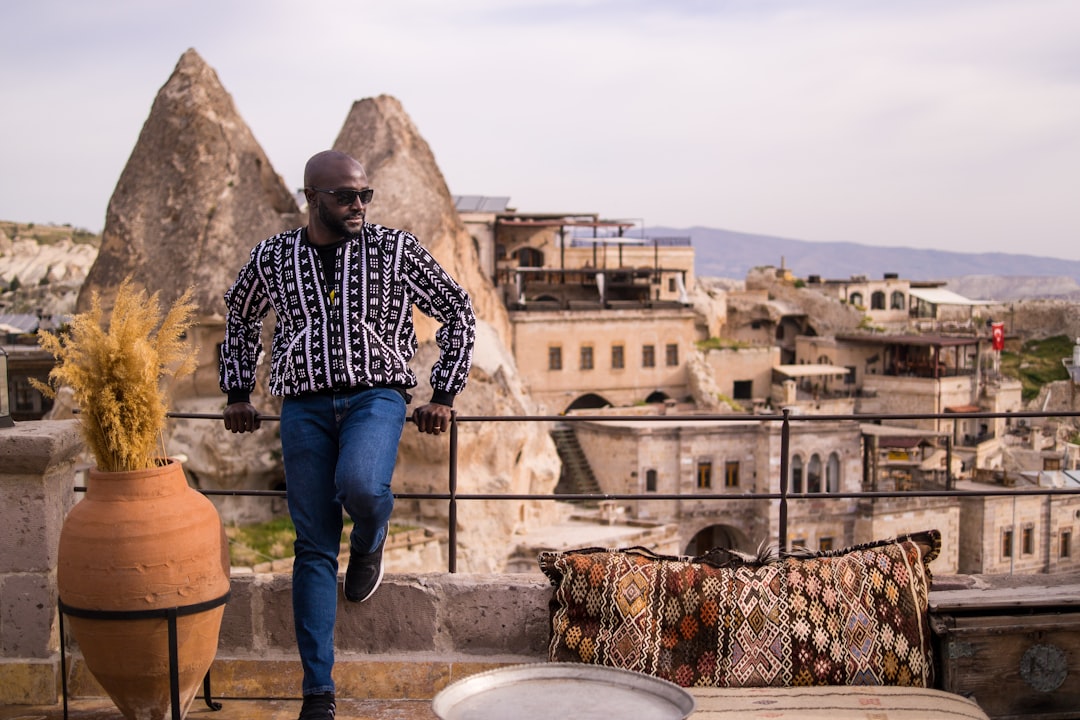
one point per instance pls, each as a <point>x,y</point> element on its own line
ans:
<point>586,357</point>
<point>530,257</point>
<point>796,474</point>
<point>554,357</point>
<point>648,356</point>
<point>704,474</point>
<point>825,543</point>
<point>731,474</point>
<point>849,379</point>
<point>671,354</point>
<point>742,389</point>
<point>24,397</point>
<point>855,299</point>
<point>1027,540</point>
<point>671,285</point>
<point>650,481</point>
<point>832,474</point>
<point>897,300</point>
<point>1065,544</point>
<point>877,301</point>
<point>1006,544</point>
<point>813,474</point>
<point>797,543</point>
<point>618,361</point>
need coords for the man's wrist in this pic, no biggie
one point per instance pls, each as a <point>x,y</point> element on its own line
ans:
<point>441,397</point>
<point>238,396</point>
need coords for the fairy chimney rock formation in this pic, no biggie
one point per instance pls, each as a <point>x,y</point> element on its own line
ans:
<point>411,194</point>
<point>196,194</point>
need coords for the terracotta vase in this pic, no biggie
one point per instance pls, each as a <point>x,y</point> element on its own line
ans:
<point>144,541</point>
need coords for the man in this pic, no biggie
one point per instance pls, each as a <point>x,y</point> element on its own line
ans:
<point>342,291</point>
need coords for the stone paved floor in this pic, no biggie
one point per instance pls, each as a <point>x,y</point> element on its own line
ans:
<point>100,709</point>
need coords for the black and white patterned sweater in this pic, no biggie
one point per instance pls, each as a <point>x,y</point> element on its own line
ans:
<point>354,332</point>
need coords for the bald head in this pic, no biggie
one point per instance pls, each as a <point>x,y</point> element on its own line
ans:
<point>326,168</point>
<point>333,173</point>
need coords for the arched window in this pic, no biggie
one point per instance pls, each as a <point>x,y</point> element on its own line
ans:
<point>855,299</point>
<point>796,474</point>
<point>650,481</point>
<point>877,300</point>
<point>813,474</point>
<point>898,300</point>
<point>832,474</point>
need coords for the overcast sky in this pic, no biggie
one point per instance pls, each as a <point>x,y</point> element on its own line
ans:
<point>917,123</point>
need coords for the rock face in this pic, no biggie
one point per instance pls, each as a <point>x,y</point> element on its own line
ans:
<point>196,194</point>
<point>50,274</point>
<point>33,263</point>
<point>410,193</point>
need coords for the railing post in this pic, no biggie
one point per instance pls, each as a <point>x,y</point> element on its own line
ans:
<point>452,513</point>
<point>785,449</point>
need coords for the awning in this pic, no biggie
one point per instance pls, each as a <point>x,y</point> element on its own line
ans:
<point>811,370</point>
<point>905,442</point>
<point>963,409</point>
<point>941,296</point>
<point>895,436</point>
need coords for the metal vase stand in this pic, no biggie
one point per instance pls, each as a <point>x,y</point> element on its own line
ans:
<point>171,615</point>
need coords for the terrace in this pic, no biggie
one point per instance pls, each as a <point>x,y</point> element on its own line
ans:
<point>422,632</point>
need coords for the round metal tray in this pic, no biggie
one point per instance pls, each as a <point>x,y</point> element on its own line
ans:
<point>562,691</point>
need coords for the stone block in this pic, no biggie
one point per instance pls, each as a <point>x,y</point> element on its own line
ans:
<point>486,614</point>
<point>29,525</point>
<point>274,607</point>
<point>29,682</point>
<point>27,616</point>
<point>262,678</point>
<point>33,448</point>
<point>404,679</point>
<point>400,617</point>
<point>237,624</point>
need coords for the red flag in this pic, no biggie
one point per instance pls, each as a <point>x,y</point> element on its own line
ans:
<point>997,333</point>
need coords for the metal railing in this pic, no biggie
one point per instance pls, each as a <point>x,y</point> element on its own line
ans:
<point>784,495</point>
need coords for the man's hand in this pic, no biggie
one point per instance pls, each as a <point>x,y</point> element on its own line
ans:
<point>433,418</point>
<point>242,417</point>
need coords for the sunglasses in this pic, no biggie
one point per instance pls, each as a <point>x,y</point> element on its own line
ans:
<point>348,197</point>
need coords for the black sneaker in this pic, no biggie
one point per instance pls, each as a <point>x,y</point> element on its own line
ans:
<point>320,706</point>
<point>364,573</point>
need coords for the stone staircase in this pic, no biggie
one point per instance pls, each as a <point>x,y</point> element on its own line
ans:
<point>577,476</point>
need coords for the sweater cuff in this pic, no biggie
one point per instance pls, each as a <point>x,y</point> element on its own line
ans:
<point>442,398</point>
<point>239,395</point>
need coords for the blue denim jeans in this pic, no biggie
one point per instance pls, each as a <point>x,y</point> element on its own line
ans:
<point>339,452</point>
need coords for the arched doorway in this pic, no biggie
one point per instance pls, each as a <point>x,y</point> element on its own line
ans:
<point>588,401</point>
<point>715,536</point>
<point>656,396</point>
<point>529,257</point>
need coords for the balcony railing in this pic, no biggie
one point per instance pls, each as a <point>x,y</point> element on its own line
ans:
<point>783,494</point>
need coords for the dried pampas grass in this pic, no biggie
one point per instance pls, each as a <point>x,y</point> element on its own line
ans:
<point>116,373</point>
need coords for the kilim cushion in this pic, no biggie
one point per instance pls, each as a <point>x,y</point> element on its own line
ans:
<point>856,616</point>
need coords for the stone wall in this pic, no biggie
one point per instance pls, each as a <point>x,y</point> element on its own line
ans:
<point>37,468</point>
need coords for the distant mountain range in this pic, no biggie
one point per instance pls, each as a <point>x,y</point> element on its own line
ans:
<point>983,276</point>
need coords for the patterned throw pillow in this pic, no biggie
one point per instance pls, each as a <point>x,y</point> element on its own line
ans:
<point>856,616</point>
